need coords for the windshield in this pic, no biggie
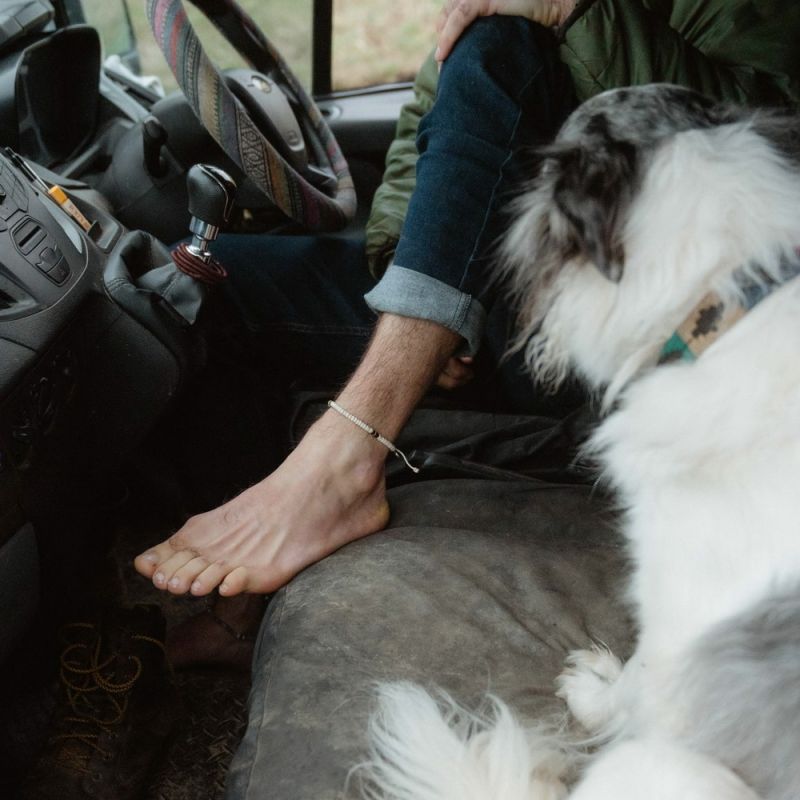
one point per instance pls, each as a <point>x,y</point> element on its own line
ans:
<point>374,42</point>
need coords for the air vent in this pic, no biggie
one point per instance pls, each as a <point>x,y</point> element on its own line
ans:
<point>27,235</point>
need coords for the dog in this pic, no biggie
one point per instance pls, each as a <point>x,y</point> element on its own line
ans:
<point>655,255</point>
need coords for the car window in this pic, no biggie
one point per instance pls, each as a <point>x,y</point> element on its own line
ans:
<point>374,41</point>
<point>109,20</point>
<point>381,41</point>
<point>287,23</point>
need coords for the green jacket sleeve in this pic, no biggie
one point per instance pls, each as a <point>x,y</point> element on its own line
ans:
<point>742,51</point>
<point>399,178</point>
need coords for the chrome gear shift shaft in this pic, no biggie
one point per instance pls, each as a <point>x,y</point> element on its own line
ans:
<point>211,192</point>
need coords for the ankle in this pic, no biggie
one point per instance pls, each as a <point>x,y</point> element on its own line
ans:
<point>341,449</point>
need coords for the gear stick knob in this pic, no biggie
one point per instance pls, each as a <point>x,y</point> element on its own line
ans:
<point>211,191</point>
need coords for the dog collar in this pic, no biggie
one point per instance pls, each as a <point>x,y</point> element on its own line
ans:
<point>712,317</point>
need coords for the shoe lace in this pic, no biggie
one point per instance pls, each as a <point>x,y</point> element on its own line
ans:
<point>97,691</point>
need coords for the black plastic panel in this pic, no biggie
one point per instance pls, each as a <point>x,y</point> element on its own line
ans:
<point>41,251</point>
<point>21,18</point>
<point>57,105</point>
<point>19,586</point>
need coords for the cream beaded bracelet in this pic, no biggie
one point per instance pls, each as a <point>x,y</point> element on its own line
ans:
<point>373,433</point>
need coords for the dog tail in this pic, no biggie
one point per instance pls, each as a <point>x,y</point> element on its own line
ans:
<point>422,748</point>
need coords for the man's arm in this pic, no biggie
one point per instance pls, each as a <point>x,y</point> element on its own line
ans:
<point>736,51</point>
<point>731,51</point>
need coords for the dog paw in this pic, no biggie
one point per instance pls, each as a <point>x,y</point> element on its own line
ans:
<point>587,685</point>
<point>549,790</point>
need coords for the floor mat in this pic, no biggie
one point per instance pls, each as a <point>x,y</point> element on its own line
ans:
<point>209,729</point>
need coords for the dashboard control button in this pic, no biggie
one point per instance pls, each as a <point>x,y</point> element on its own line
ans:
<point>48,258</point>
<point>59,273</point>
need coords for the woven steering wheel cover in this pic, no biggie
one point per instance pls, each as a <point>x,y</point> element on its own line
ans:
<point>226,119</point>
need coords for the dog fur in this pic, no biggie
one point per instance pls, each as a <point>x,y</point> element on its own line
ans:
<point>648,199</point>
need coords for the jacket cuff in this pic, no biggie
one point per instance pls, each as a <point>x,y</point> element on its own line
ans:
<point>408,293</point>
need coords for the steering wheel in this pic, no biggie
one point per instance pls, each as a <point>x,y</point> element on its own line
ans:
<point>261,117</point>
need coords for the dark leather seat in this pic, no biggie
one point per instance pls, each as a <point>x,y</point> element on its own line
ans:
<point>476,586</point>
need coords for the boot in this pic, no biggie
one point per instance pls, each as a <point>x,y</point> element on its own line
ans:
<point>117,707</point>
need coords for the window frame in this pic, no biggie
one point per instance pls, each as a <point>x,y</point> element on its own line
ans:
<point>322,48</point>
<point>322,60</point>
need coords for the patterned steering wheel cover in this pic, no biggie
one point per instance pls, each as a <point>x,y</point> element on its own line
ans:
<point>228,122</point>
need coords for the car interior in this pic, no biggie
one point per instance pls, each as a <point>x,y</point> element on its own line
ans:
<point>95,362</point>
<point>114,428</point>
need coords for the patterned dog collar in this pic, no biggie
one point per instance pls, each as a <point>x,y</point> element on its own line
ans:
<point>712,317</point>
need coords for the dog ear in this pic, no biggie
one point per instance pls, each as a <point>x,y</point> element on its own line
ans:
<point>593,191</point>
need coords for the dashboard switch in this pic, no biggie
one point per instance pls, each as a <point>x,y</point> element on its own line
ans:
<point>59,273</point>
<point>39,250</point>
<point>48,258</point>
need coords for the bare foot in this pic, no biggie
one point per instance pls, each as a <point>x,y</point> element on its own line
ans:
<point>328,492</point>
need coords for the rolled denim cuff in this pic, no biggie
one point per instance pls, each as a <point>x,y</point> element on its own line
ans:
<point>413,294</point>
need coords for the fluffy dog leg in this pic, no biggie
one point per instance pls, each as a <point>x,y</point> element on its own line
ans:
<point>421,749</point>
<point>590,685</point>
<point>651,770</point>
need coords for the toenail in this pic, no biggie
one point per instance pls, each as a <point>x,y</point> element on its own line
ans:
<point>150,557</point>
<point>175,582</point>
<point>159,577</point>
<point>197,586</point>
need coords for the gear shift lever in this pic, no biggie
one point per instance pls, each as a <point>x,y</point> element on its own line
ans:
<point>180,285</point>
<point>211,192</point>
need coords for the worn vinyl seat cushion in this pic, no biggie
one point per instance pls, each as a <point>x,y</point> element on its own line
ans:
<point>489,594</point>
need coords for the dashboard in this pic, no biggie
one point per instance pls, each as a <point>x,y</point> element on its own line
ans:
<point>91,352</point>
<point>90,357</point>
<point>88,362</point>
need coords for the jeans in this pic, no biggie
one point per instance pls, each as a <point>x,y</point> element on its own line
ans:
<point>502,91</point>
<point>301,300</point>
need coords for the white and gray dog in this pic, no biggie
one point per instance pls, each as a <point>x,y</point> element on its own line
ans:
<point>655,255</point>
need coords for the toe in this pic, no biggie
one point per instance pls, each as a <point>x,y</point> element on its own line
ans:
<point>146,563</point>
<point>185,576</point>
<point>235,582</point>
<point>165,574</point>
<point>208,579</point>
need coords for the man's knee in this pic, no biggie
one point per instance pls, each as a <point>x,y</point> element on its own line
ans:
<point>500,67</point>
<point>507,48</point>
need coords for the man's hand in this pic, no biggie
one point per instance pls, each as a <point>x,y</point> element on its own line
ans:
<point>456,373</point>
<point>457,15</point>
